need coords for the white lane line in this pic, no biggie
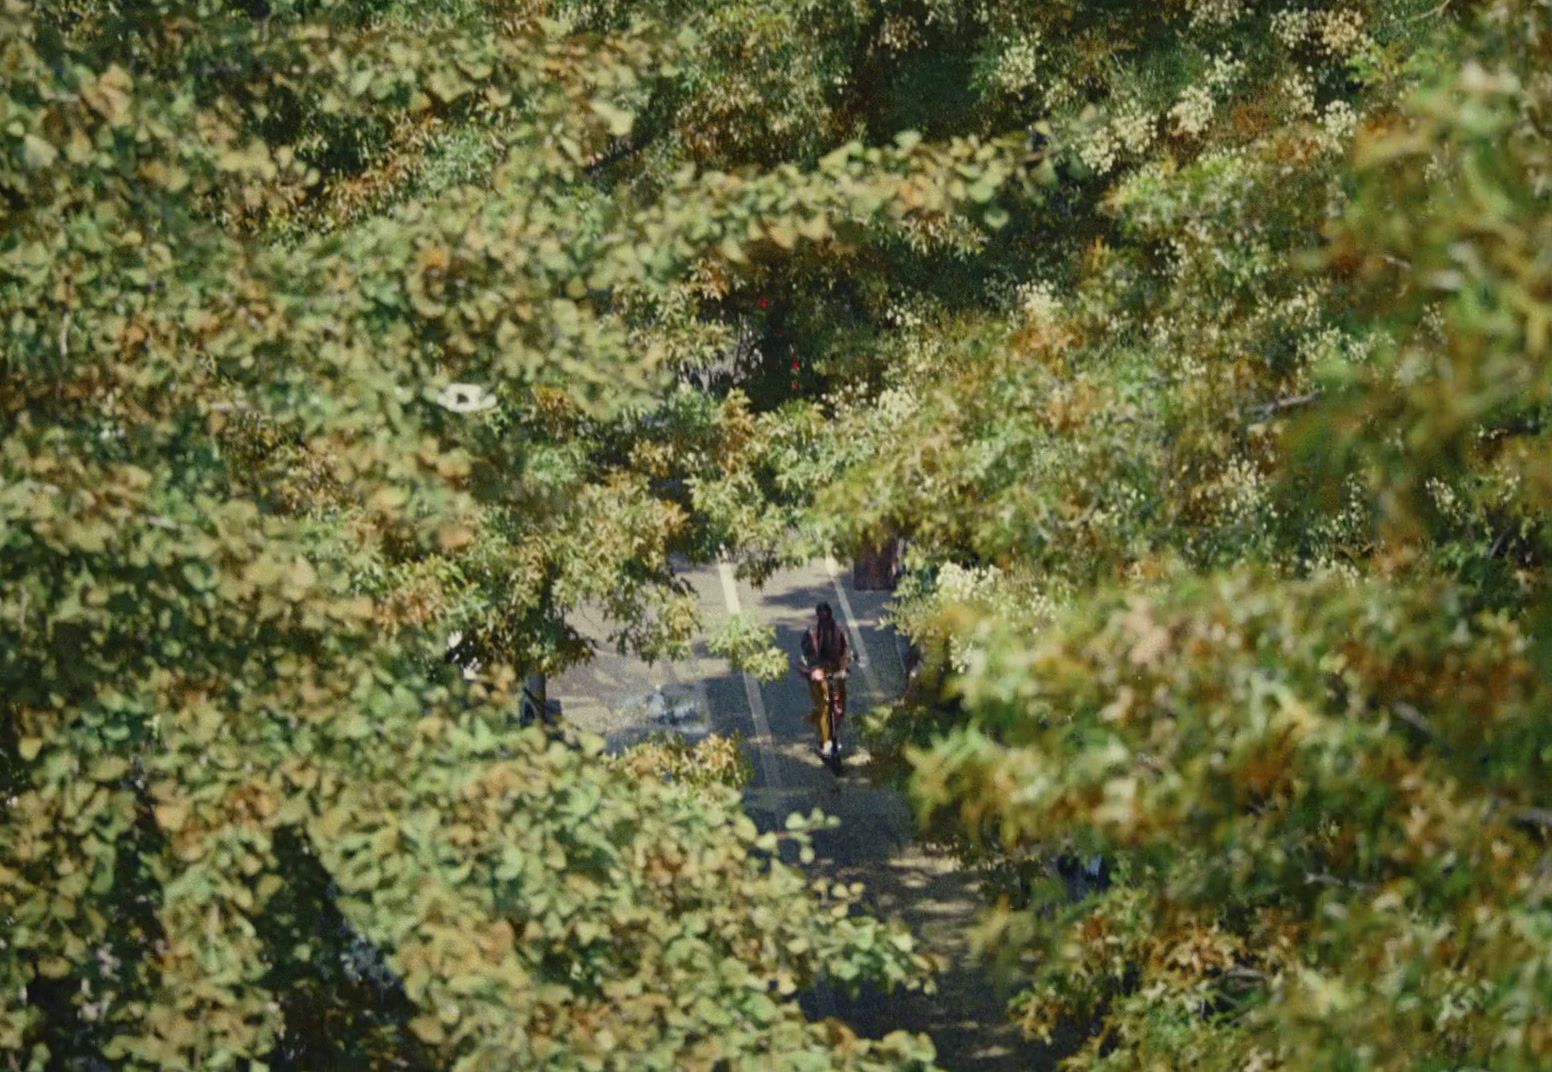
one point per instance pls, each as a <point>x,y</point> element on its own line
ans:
<point>865,664</point>
<point>824,996</point>
<point>762,725</point>
<point>702,699</point>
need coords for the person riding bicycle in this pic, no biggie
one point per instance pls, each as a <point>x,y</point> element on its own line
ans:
<point>826,657</point>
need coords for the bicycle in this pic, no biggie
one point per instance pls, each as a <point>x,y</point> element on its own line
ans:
<point>824,660</point>
<point>835,697</point>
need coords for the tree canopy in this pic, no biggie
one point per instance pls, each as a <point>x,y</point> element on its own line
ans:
<point>1198,349</point>
<point>326,343</point>
<point>1229,504</point>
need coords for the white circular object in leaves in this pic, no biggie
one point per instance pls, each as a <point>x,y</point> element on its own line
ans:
<point>465,398</point>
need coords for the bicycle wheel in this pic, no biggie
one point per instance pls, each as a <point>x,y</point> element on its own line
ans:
<point>837,716</point>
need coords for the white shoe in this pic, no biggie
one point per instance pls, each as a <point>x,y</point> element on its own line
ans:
<point>827,749</point>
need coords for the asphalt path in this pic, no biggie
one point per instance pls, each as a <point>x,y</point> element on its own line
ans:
<point>624,699</point>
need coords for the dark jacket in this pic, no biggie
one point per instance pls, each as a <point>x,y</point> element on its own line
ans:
<point>825,648</point>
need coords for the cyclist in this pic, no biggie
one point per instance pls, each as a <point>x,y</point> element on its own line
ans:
<point>826,656</point>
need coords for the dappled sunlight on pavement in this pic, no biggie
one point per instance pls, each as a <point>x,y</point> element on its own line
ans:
<point>624,698</point>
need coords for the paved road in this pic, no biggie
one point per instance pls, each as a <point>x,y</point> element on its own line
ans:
<point>623,699</point>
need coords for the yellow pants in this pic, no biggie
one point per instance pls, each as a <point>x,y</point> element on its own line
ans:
<point>819,687</point>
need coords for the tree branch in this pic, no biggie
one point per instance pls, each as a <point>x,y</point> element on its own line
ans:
<point>1282,405</point>
<point>624,147</point>
<point>1246,975</point>
<point>1431,12</point>
<point>1414,718</point>
<point>1541,817</point>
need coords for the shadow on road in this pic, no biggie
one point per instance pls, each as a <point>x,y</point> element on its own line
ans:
<point>875,843</point>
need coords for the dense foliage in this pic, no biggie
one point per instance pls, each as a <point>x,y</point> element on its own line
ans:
<point>1199,349</point>
<point>1224,465</point>
<point>1226,472</point>
<point>328,342</point>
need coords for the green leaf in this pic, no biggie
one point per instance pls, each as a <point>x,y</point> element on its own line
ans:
<point>982,190</point>
<point>37,154</point>
<point>619,120</point>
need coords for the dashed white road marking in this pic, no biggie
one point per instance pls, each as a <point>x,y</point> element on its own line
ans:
<point>702,698</point>
<point>762,725</point>
<point>865,662</point>
<point>824,996</point>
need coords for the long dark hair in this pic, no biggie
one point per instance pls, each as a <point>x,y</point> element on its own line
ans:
<point>828,634</point>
